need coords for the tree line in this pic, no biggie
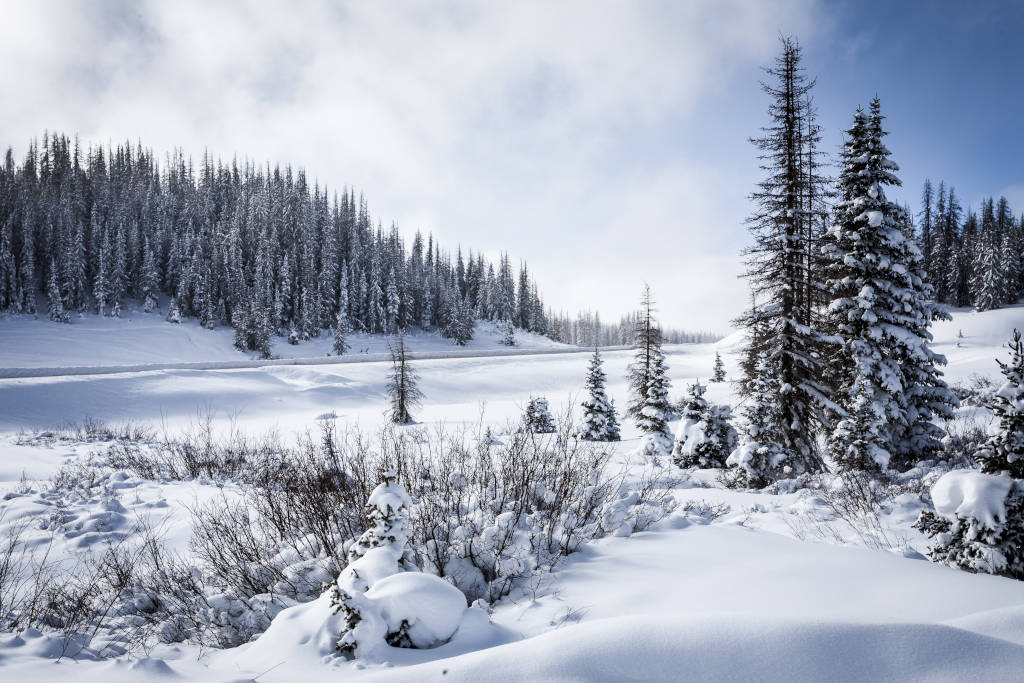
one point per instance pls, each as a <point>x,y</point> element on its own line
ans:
<point>971,260</point>
<point>258,249</point>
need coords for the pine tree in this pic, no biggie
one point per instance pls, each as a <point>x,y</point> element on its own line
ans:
<point>600,422</point>
<point>648,377</point>
<point>341,326</point>
<point>537,416</point>
<point>709,442</point>
<point>881,311</point>
<point>150,285</point>
<point>782,323</point>
<point>57,313</point>
<point>1004,451</point>
<point>760,458</point>
<point>508,333</point>
<point>718,375</point>
<point>856,443</point>
<point>403,385</point>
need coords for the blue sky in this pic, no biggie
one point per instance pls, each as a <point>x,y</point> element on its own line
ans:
<point>604,142</point>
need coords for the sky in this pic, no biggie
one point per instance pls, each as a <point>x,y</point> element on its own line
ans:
<point>603,142</point>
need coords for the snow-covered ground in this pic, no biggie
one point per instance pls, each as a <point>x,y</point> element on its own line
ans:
<point>138,338</point>
<point>770,588</point>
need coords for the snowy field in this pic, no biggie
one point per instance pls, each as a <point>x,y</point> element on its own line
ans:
<point>767,587</point>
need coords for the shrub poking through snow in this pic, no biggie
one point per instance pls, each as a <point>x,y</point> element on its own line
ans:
<point>978,523</point>
<point>537,416</point>
<point>1004,451</point>
<point>599,420</point>
<point>709,442</point>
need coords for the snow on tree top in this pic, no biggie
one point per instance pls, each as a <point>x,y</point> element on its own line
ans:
<point>972,495</point>
<point>389,495</point>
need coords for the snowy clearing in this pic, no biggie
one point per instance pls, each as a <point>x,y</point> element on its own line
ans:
<point>732,585</point>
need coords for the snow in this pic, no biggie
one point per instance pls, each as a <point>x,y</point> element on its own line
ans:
<point>430,606</point>
<point>139,338</point>
<point>771,589</point>
<point>972,495</point>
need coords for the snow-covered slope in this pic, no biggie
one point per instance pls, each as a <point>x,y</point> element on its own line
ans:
<point>138,338</point>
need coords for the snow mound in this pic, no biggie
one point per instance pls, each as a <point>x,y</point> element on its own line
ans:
<point>734,649</point>
<point>972,495</point>
<point>430,607</point>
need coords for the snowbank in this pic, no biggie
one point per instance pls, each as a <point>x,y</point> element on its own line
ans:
<point>729,649</point>
<point>972,495</point>
<point>430,608</point>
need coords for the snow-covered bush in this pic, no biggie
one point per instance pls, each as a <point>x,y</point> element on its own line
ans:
<point>978,523</point>
<point>708,443</point>
<point>537,416</point>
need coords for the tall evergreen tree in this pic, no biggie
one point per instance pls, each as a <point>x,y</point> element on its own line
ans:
<point>782,326</point>
<point>887,385</point>
<point>648,376</point>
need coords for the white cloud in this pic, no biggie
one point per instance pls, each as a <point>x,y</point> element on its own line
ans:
<point>523,126</point>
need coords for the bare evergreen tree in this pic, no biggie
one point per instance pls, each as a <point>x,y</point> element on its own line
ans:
<point>781,270</point>
<point>402,386</point>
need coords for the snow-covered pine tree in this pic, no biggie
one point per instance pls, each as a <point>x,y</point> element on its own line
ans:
<point>648,376</point>
<point>760,458</point>
<point>537,416</point>
<point>387,512</point>
<point>880,310</point>
<point>694,410</point>
<point>341,326</point>
<point>782,271</point>
<point>1004,451</point>
<point>150,281</point>
<point>710,442</point>
<point>718,374</point>
<point>508,333</point>
<point>855,445</point>
<point>403,385</point>
<point>600,422</point>
<point>57,312</point>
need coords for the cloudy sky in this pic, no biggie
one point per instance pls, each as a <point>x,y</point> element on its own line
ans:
<point>603,141</point>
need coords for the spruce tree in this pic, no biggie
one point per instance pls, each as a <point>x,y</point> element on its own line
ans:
<point>57,312</point>
<point>599,420</point>
<point>403,385</point>
<point>782,323</point>
<point>648,376</point>
<point>885,373</point>
<point>341,326</point>
<point>718,374</point>
<point>761,459</point>
<point>1004,451</point>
